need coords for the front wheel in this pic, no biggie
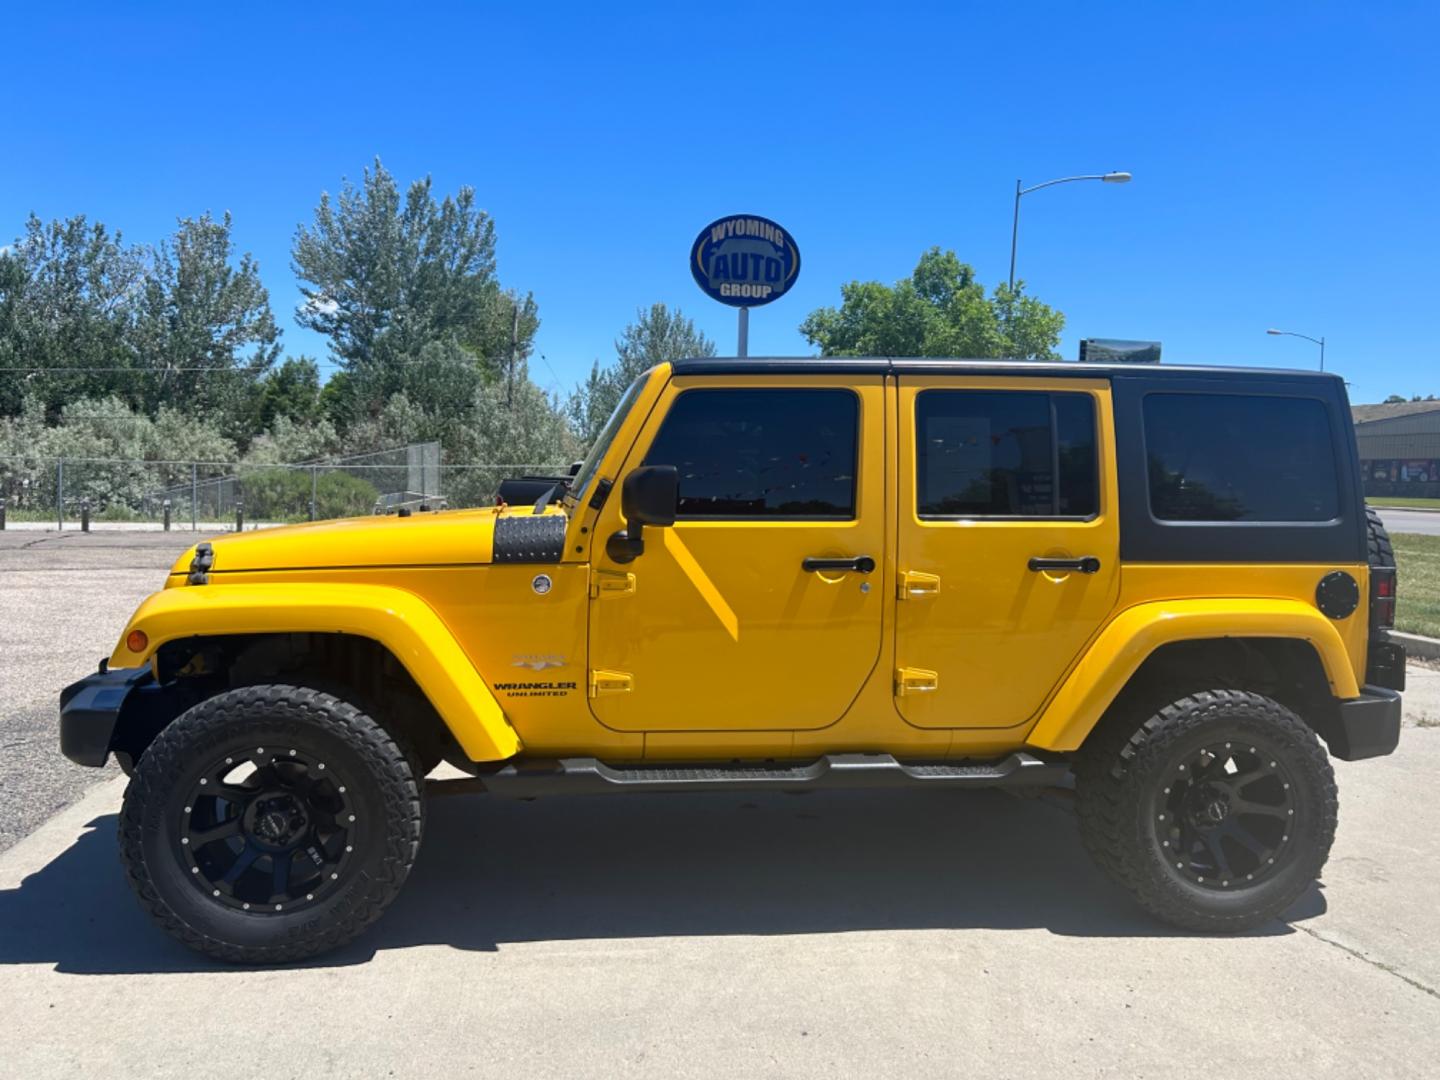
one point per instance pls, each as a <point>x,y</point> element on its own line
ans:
<point>270,823</point>
<point>1217,812</point>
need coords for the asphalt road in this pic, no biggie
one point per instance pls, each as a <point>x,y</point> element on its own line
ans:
<point>65,598</point>
<point>838,934</point>
<point>1424,522</point>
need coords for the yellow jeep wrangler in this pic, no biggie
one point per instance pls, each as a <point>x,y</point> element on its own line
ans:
<point>1158,585</point>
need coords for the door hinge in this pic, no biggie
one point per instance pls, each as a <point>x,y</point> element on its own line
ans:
<point>611,682</point>
<point>611,583</point>
<point>914,680</point>
<point>915,584</point>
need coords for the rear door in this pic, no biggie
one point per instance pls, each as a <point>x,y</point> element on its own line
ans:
<point>1008,542</point>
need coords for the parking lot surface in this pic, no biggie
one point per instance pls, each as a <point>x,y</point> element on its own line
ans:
<point>875,934</point>
<point>66,597</point>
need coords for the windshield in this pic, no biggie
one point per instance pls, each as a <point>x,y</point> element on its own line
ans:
<point>582,480</point>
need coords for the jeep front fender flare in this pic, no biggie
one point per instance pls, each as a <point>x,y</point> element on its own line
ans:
<point>1125,643</point>
<point>397,619</point>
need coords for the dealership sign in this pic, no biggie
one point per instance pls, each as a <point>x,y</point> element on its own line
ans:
<point>744,261</point>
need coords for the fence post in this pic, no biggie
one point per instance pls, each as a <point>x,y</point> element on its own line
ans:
<point>239,515</point>
<point>84,515</point>
<point>314,489</point>
<point>60,495</point>
<point>194,494</point>
<point>167,515</point>
<point>2,515</point>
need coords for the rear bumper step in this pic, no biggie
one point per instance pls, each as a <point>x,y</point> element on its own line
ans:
<point>575,776</point>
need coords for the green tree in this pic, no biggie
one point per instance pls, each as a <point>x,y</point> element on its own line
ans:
<point>940,310</point>
<point>67,309</point>
<point>290,391</point>
<point>204,327</point>
<point>657,336</point>
<point>385,276</point>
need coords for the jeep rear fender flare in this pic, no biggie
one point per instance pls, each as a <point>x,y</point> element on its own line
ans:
<point>1123,645</point>
<point>398,620</point>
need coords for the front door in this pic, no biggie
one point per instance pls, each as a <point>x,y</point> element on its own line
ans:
<point>1008,552</point>
<point>719,625</point>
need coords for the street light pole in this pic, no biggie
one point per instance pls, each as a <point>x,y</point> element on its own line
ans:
<point>1291,333</point>
<point>1109,178</point>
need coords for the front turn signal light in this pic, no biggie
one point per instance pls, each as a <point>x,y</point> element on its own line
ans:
<point>136,641</point>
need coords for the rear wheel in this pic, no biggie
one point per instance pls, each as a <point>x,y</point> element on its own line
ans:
<point>1217,812</point>
<point>271,823</point>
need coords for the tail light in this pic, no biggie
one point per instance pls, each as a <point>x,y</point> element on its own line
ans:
<point>1382,598</point>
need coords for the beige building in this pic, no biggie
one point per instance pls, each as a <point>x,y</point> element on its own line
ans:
<point>1399,447</point>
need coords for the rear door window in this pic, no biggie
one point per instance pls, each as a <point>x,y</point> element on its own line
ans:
<point>1002,453</point>
<point>1238,457</point>
<point>761,453</point>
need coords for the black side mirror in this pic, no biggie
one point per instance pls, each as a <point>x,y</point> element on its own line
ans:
<point>648,496</point>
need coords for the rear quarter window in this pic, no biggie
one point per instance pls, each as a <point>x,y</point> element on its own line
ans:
<point>1239,458</point>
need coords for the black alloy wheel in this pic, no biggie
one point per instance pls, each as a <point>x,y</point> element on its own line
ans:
<point>267,829</point>
<point>1226,815</point>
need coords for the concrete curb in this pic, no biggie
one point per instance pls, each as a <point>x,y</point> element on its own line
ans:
<point>1427,648</point>
<point>1406,509</point>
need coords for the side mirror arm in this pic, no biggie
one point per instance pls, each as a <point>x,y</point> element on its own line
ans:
<point>627,544</point>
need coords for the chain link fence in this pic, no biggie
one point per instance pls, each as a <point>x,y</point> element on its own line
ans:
<point>216,495</point>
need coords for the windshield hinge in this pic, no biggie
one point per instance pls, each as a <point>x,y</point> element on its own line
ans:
<point>612,583</point>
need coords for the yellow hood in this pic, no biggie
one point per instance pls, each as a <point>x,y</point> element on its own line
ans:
<point>422,539</point>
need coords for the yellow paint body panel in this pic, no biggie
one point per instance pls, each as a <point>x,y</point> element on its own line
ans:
<point>399,620</point>
<point>1138,631</point>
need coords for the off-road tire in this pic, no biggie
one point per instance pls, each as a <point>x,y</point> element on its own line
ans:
<point>1121,775</point>
<point>1380,550</point>
<point>385,787</point>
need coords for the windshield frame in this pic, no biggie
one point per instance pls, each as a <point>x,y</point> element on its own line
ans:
<point>590,467</point>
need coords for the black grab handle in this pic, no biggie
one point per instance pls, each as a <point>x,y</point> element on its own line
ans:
<point>1086,564</point>
<point>863,564</point>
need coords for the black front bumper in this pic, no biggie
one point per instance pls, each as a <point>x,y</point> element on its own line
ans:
<point>1367,726</point>
<point>90,709</point>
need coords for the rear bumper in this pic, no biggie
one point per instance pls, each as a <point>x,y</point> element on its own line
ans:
<point>1367,726</point>
<point>89,711</point>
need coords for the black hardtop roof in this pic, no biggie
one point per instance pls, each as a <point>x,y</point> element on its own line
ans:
<point>921,365</point>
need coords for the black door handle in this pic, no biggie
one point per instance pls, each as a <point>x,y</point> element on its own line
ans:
<point>1086,564</point>
<point>863,564</point>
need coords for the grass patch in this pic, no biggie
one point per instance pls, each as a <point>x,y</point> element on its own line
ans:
<point>1418,561</point>
<point>1404,502</point>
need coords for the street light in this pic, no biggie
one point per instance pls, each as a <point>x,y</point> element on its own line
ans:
<point>1291,333</point>
<point>1109,178</point>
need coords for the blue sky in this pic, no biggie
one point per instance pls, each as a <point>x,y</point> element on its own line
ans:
<point>1285,155</point>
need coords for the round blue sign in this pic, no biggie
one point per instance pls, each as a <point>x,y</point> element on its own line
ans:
<point>744,261</point>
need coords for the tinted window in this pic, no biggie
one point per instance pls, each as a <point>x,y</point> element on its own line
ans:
<point>1234,457</point>
<point>998,453</point>
<point>762,453</point>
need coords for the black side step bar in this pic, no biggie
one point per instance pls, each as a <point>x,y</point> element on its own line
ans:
<point>576,776</point>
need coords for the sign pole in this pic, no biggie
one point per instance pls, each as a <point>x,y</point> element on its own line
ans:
<point>743,347</point>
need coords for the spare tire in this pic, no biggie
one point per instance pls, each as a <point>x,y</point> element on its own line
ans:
<point>1378,546</point>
